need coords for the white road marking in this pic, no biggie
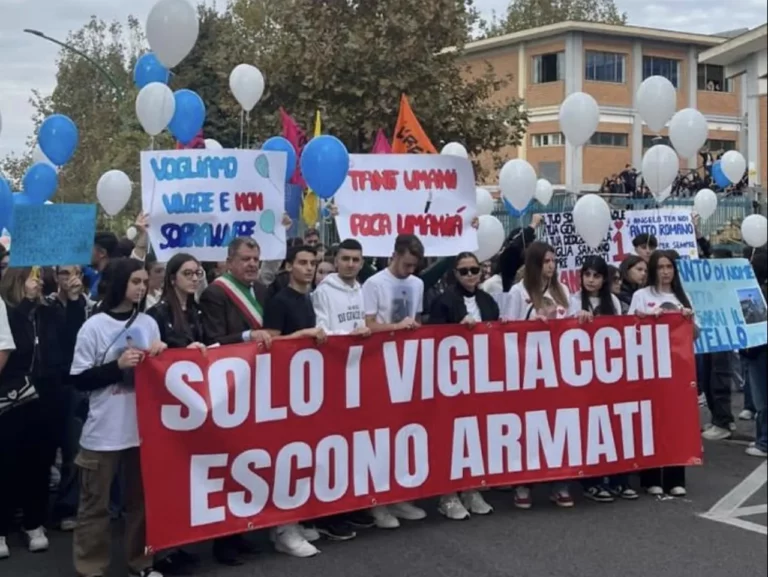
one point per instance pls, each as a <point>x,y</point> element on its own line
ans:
<point>729,509</point>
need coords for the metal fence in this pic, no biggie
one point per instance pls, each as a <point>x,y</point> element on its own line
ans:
<point>728,209</point>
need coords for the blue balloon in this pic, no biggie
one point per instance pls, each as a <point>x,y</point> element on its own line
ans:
<point>20,198</point>
<point>280,144</point>
<point>189,117</point>
<point>148,69</point>
<point>719,176</point>
<point>40,183</point>
<point>324,165</point>
<point>6,204</point>
<point>513,212</point>
<point>58,138</point>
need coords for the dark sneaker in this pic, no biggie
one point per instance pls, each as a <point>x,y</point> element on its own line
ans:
<point>336,531</point>
<point>360,520</point>
<point>598,494</point>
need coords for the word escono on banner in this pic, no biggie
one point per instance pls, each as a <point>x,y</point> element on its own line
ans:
<point>431,196</point>
<point>198,203</point>
<point>294,433</point>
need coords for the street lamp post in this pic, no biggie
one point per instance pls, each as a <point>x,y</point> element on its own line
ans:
<point>87,58</point>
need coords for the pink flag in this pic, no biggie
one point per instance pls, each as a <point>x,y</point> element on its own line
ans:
<point>381,144</point>
<point>293,133</point>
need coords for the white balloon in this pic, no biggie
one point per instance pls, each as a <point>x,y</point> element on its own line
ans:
<point>211,144</point>
<point>517,181</point>
<point>247,85</point>
<point>485,203</point>
<point>131,233</point>
<point>544,191</point>
<point>490,237</point>
<point>172,29</point>
<point>579,117</point>
<point>592,219</point>
<point>656,101</point>
<point>660,167</point>
<point>39,156</point>
<point>705,203</point>
<point>734,166</point>
<point>688,132</point>
<point>754,230</point>
<point>155,106</point>
<point>663,195</point>
<point>455,149</point>
<point>113,191</point>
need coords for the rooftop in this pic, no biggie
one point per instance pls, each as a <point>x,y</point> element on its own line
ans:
<point>639,32</point>
<point>736,48</point>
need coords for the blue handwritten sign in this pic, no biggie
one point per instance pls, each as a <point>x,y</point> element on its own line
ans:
<point>672,227</point>
<point>53,234</point>
<point>198,201</point>
<point>730,308</point>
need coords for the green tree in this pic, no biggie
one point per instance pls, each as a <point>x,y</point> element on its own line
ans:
<point>525,14</point>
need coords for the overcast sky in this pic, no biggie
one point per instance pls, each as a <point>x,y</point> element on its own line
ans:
<point>28,62</point>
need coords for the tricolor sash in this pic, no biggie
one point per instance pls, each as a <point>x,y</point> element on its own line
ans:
<point>243,298</point>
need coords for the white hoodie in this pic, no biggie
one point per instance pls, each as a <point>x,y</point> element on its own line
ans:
<point>338,307</point>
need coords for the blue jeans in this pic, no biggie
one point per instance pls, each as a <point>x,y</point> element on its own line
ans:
<point>749,404</point>
<point>758,373</point>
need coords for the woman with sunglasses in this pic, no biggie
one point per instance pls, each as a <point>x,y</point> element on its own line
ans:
<point>463,302</point>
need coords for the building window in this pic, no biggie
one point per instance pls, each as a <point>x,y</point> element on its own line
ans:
<point>650,140</point>
<point>718,145</point>
<point>551,172</point>
<point>666,67</point>
<point>711,78</point>
<point>550,139</point>
<point>617,139</point>
<point>605,67</point>
<point>548,67</point>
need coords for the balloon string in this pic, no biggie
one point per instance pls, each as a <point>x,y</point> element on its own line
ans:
<point>248,129</point>
<point>151,142</point>
<point>242,116</point>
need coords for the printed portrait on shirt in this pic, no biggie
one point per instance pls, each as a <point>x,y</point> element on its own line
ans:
<point>550,309</point>
<point>402,303</point>
<point>126,339</point>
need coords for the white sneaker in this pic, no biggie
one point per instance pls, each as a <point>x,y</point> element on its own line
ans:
<point>678,492</point>
<point>746,415</point>
<point>753,451</point>
<point>452,508</point>
<point>4,551</point>
<point>37,540</point>
<point>474,503</point>
<point>655,490</point>
<point>407,511</point>
<point>68,524</point>
<point>383,519</point>
<point>289,539</point>
<point>715,433</point>
<point>310,533</point>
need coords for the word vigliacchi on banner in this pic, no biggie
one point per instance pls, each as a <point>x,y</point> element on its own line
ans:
<point>249,438</point>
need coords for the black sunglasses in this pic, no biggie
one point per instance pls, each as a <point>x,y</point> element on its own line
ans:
<point>472,270</point>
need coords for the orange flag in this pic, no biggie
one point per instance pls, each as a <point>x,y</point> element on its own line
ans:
<point>410,137</point>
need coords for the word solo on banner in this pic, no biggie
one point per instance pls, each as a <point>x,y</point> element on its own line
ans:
<point>251,438</point>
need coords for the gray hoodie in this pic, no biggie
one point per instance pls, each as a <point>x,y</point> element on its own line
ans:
<point>338,306</point>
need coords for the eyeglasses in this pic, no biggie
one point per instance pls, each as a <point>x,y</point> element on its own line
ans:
<point>472,270</point>
<point>199,273</point>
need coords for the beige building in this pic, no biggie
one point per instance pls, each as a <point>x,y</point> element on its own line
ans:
<point>546,64</point>
<point>745,61</point>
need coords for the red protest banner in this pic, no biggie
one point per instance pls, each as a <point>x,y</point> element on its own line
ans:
<point>244,438</point>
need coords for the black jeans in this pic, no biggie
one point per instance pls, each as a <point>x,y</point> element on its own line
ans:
<point>715,377</point>
<point>667,478</point>
<point>24,466</point>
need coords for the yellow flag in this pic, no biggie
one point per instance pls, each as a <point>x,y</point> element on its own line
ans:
<point>311,206</point>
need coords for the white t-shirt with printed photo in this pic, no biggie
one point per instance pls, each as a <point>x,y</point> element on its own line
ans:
<point>393,299</point>
<point>648,300</point>
<point>594,304</point>
<point>111,424</point>
<point>518,305</point>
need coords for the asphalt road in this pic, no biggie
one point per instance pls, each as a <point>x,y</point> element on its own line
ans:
<point>648,537</point>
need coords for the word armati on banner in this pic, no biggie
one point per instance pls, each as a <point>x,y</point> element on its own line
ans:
<point>250,438</point>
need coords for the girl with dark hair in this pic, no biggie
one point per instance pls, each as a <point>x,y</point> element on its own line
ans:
<point>634,273</point>
<point>614,278</point>
<point>109,346</point>
<point>664,294</point>
<point>596,299</point>
<point>538,296</point>
<point>463,302</point>
<point>177,314</point>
